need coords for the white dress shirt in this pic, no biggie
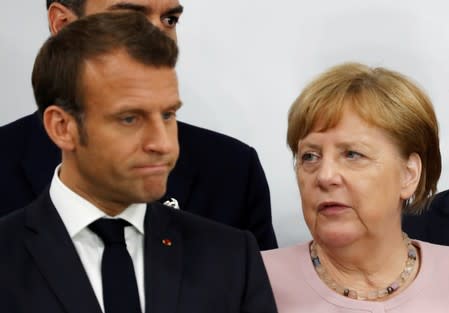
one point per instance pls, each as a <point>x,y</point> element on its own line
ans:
<point>77,213</point>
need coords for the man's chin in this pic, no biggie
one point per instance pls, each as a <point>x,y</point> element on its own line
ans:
<point>153,194</point>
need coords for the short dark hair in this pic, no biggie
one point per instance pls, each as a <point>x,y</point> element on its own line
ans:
<point>77,6</point>
<point>59,67</point>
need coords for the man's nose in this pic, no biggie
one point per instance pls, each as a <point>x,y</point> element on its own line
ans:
<point>160,137</point>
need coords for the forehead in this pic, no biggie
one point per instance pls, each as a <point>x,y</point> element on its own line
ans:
<point>338,123</point>
<point>116,75</point>
<point>360,106</point>
<point>151,6</point>
<point>351,128</point>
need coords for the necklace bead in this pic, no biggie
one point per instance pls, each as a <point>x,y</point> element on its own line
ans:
<point>370,295</point>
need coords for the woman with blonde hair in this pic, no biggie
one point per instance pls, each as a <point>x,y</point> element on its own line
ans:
<point>366,149</point>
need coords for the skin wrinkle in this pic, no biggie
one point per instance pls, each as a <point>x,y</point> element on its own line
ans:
<point>354,189</point>
<point>361,277</point>
<point>345,164</point>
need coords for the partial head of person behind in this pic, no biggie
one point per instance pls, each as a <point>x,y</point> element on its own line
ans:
<point>77,6</point>
<point>384,99</point>
<point>164,14</point>
<point>107,90</point>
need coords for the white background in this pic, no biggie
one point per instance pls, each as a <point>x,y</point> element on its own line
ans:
<point>242,64</point>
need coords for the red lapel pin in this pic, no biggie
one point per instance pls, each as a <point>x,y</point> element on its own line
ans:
<point>167,242</point>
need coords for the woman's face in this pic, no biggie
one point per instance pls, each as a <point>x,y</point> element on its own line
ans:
<point>353,180</point>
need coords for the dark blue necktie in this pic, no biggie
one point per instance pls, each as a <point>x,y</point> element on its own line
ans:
<point>120,293</point>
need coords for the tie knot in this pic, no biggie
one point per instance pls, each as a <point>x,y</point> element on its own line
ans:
<point>111,231</point>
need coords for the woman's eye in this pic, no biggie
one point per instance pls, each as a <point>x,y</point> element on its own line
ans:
<point>309,157</point>
<point>353,154</point>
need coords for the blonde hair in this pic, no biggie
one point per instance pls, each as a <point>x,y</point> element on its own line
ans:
<point>383,98</point>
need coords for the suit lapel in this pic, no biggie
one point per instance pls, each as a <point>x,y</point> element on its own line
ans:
<point>52,249</point>
<point>40,156</point>
<point>163,260</point>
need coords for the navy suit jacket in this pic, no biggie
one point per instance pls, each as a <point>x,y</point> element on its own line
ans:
<point>216,176</point>
<point>433,224</point>
<point>209,267</point>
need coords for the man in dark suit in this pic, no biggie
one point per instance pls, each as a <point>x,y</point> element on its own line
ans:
<point>107,92</point>
<point>216,176</point>
<point>433,224</point>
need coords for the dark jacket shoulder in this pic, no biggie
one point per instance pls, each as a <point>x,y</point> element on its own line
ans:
<point>432,225</point>
<point>440,203</point>
<point>210,136</point>
<point>199,139</point>
<point>27,161</point>
<point>15,134</point>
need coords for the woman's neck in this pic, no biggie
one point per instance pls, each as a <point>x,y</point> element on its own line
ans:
<point>366,265</point>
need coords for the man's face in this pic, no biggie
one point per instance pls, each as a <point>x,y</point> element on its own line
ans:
<point>131,133</point>
<point>163,14</point>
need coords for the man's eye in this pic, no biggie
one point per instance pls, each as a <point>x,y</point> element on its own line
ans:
<point>128,120</point>
<point>168,115</point>
<point>170,21</point>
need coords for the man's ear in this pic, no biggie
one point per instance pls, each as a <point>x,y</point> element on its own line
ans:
<point>61,127</point>
<point>59,16</point>
<point>411,176</point>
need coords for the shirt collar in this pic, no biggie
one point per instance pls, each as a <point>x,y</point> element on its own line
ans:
<point>77,213</point>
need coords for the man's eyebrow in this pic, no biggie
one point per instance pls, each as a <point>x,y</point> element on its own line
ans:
<point>143,9</point>
<point>131,109</point>
<point>176,106</point>
<point>176,10</point>
<point>308,145</point>
<point>130,7</point>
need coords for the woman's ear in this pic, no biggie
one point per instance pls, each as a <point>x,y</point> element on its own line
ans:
<point>58,16</point>
<point>61,127</point>
<point>411,176</point>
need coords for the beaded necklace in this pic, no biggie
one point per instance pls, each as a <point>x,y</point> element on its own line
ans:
<point>371,295</point>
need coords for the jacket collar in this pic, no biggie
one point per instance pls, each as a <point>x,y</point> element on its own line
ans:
<point>164,259</point>
<point>52,249</point>
<point>49,243</point>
